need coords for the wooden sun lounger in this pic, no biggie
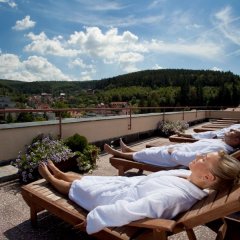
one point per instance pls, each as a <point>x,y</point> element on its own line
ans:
<point>231,119</point>
<point>211,127</point>
<point>40,196</point>
<point>123,165</point>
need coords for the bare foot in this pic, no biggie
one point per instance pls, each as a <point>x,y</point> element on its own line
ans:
<point>124,147</point>
<point>56,172</point>
<point>108,149</point>
<point>116,153</point>
<point>44,172</point>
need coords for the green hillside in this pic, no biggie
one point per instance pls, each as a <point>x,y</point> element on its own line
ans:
<point>169,87</point>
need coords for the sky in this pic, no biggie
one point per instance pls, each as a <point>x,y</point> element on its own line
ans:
<point>79,40</point>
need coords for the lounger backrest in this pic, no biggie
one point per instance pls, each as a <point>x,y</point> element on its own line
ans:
<point>215,205</point>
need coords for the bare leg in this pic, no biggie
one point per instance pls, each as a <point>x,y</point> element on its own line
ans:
<point>61,185</point>
<point>69,177</point>
<point>116,153</point>
<point>124,147</point>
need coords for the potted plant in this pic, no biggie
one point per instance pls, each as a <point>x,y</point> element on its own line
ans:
<point>168,128</point>
<point>42,148</point>
<point>86,154</point>
<point>86,160</point>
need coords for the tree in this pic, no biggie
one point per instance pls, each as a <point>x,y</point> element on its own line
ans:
<point>25,117</point>
<point>9,118</point>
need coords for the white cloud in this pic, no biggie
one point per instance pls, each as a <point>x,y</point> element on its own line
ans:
<point>110,47</point>
<point>12,4</point>
<point>80,63</point>
<point>125,50</point>
<point>130,68</point>
<point>202,49</point>
<point>156,66</point>
<point>43,45</point>
<point>155,3</point>
<point>103,5</point>
<point>130,57</point>
<point>216,69</point>
<point>89,69</point>
<point>24,24</point>
<point>226,24</point>
<point>32,69</point>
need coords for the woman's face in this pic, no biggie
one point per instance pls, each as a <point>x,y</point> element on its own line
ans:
<point>203,164</point>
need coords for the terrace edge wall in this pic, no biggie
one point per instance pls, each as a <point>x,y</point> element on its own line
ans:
<point>14,137</point>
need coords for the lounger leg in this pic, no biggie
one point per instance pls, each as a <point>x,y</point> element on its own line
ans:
<point>121,170</point>
<point>34,210</point>
<point>222,231</point>
<point>159,235</point>
<point>33,216</point>
<point>191,235</point>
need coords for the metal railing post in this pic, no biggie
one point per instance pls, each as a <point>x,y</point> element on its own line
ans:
<point>60,125</point>
<point>130,119</point>
<point>163,114</point>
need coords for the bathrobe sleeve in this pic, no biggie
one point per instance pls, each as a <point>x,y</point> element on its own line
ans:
<point>164,204</point>
<point>182,157</point>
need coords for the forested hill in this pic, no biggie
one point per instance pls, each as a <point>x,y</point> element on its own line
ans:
<point>218,87</point>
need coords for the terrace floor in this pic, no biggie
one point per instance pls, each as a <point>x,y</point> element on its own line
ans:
<point>14,212</point>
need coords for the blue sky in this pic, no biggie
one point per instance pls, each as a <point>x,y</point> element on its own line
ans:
<point>77,40</point>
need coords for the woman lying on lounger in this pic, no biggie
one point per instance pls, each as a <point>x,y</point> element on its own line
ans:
<point>219,133</point>
<point>180,154</point>
<point>116,200</point>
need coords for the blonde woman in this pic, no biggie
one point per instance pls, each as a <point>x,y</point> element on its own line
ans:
<point>117,200</point>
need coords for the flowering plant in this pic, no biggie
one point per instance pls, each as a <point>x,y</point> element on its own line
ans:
<point>42,148</point>
<point>168,128</point>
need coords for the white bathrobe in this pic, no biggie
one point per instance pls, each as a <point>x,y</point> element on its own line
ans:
<point>183,153</point>
<point>116,201</point>
<point>215,134</point>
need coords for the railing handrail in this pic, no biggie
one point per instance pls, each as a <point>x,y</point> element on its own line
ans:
<point>10,110</point>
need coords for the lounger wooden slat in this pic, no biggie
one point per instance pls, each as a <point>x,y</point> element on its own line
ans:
<point>236,154</point>
<point>200,129</point>
<point>176,138</point>
<point>216,126</point>
<point>215,206</point>
<point>158,143</point>
<point>228,121</point>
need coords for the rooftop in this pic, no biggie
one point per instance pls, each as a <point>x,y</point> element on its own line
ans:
<point>15,214</point>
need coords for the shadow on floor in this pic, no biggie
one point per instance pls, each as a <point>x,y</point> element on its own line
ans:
<point>49,227</point>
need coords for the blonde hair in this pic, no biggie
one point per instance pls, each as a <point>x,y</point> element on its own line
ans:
<point>227,171</point>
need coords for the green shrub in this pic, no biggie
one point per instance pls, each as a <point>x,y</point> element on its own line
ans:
<point>76,142</point>
<point>87,160</point>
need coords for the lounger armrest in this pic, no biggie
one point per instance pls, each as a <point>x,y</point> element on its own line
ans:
<point>162,224</point>
<point>236,154</point>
